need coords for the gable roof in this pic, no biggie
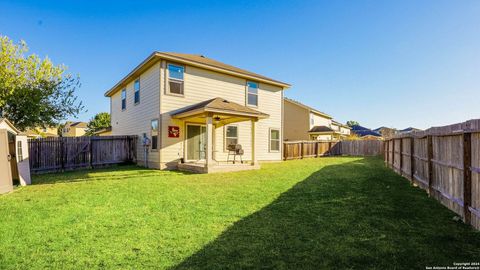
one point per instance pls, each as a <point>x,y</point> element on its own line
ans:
<point>409,129</point>
<point>197,61</point>
<point>219,105</point>
<point>379,128</point>
<point>320,129</point>
<point>363,131</point>
<point>298,103</point>
<point>76,124</point>
<point>9,124</point>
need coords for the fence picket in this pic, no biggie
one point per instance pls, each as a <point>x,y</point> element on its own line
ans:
<point>443,161</point>
<point>58,154</point>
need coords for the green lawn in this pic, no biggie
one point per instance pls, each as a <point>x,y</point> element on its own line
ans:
<point>345,213</point>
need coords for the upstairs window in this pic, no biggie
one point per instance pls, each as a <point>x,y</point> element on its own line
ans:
<point>175,79</point>
<point>274,140</point>
<point>154,132</point>
<point>124,99</point>
<point>136,96</point>
<point>252,93</point>
<point>231,135</point>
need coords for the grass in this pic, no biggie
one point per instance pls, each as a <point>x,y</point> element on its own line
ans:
<point>346,213</point>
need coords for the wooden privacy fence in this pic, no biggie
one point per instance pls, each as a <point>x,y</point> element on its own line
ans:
<point>361,148</point>
<point>306,149</point>
<point>67,153</point>
<point>445,161</point>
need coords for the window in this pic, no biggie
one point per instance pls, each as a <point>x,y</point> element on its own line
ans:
<point>154,131</point>
<point>312,121</point>
<point>124,99</point>
<point>231,135</point>
<point>274,140</point>
<point>136,96</point>
<point>175,79</point>
<point>252,93</point>
<point>19,151</point>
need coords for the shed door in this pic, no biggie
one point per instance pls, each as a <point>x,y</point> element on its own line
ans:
<point>5,173</point>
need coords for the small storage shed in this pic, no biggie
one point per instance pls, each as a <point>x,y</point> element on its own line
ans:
<point>14,164</point>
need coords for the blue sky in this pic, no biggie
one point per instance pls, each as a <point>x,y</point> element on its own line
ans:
<point>392,63</point>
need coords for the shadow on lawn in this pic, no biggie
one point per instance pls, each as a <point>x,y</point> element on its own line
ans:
<point>351,216</point>
<point>116,172</point>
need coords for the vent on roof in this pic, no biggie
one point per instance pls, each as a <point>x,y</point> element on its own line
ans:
<point>226,101</point>
<point>203,56</point>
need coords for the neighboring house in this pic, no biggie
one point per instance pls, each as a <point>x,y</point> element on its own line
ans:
<point>366,133</point>
<point>390,132</point>
<point>103,132</point>
<point>74,129</point>
<point>408,130</point>
<point>41,132</point>
<point>343,129</point>
<point>386,132</point>
<point>302,122</point>
<point>192,108</point>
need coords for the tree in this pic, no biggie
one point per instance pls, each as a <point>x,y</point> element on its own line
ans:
<point>352,137</point>
<point>352,123</point>
<point>98,122</point>
<point>60,129</point>
<point>33,91</point>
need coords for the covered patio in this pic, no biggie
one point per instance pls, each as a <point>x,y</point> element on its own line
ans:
<point>200,122</point>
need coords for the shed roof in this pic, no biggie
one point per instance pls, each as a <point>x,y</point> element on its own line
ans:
<point>5,120</point>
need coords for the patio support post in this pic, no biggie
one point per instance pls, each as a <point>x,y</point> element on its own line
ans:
<point>209,150</point>
<point>254,145</point>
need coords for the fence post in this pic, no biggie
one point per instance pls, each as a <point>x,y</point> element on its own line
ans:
<point>393,154</point>
<point>467,176</point>
<point>317,150</point>
<point>90,150</point>
<point>388,153</point>
<point>62,153</point>
<point>330,149</point>
<point>301,150</point>
<point>401,156</point>
<point>412,158</point>
<point>430,164</point>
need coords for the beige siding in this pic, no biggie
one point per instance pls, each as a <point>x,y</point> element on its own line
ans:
<point>201,85</point>
<point>73,131</point>
<point>296,122</point>
<point>323,137</point>
<point>345,131</point>
<point>135,120</point>
<point>319,120</point>
<point>4,125</point>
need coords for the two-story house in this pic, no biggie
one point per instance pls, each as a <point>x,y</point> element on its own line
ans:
<point>74,129</point>
<point>192,108</point>
<point>302,122</point>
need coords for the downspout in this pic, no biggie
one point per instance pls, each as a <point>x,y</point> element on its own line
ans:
<point>160,118</point>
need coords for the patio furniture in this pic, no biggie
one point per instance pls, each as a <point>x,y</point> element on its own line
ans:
<point>235,150</point>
